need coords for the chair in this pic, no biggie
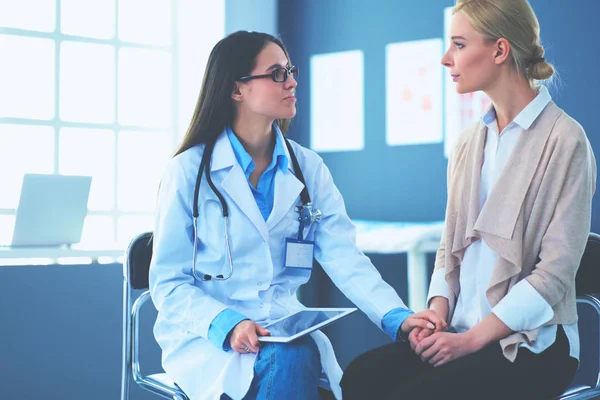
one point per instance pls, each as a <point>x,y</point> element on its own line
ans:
<point>135,274</point>
<point>587,285</point>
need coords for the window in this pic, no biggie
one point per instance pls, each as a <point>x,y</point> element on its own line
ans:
<point>99,88</point>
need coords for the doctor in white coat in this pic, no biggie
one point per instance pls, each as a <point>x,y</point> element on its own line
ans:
<point>215,285</point>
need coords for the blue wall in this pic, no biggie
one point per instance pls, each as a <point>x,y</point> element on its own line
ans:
<point>257,15</point>
<point>409,183</point>
<point>415,175</point>
<point>61,333</point>
<point>414,185</point>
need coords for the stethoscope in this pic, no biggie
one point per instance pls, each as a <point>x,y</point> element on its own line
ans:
<point>307,214</point>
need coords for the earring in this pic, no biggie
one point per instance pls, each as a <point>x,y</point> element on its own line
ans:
<point>238,98</point>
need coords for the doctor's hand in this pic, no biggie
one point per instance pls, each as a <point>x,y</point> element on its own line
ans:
<point>426,319</point>
<point>441,347</point>
<point>244,338</point>
<point>418,334</point>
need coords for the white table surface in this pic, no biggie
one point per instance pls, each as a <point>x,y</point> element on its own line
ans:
<point>414,238</point>
<point>375,237</point>
<point>50,254</point>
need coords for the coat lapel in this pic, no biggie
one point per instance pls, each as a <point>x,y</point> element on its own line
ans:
<point>235,184</point>
<point>498,220</point>
<point>475,187</point>
<point>287,191</point>
<point>464,208</point>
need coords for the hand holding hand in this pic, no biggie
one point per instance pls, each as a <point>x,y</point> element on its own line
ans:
<point>418,334</point>
<point>441,347</point>
<point>426,319</point>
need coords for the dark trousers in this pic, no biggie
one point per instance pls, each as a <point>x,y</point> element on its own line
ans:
<point>395,372</point>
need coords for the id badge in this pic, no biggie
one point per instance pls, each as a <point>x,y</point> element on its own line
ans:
<point>298,253</point>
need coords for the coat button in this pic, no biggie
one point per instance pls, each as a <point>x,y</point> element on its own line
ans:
<point>259,283</point>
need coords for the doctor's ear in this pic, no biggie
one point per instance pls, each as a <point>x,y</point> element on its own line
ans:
<point>236,94</point>
<point>502,49</point>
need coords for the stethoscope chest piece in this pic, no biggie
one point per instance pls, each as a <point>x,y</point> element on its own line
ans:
<point>308,214</point>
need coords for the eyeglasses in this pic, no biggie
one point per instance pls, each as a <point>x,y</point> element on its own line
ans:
<point>278,75</point>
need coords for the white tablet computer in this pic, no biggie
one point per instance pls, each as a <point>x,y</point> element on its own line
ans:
<point>302,322</point>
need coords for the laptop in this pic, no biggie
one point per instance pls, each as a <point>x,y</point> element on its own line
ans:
<point>52,209</point>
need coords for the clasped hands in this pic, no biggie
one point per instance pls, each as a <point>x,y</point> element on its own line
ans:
<point>427,334</point>
<point>429,339</point>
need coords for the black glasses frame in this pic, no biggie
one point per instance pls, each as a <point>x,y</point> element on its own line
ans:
<point>293,71</point>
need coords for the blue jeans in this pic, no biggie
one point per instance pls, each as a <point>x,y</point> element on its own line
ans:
<point>286,371</point>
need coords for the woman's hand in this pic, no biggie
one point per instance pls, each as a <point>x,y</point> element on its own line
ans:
<point>441,347</point>
<point>439,305</point>
<point>418,334</point>
<point>244,338</point>
<point>426,319</point>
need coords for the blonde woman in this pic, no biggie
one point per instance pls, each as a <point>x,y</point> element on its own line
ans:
<point>520,184</point>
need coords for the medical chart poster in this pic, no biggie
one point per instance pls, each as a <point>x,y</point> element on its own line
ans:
<point>414,92</point>
<point>460,110</point>
<point>337,101</point>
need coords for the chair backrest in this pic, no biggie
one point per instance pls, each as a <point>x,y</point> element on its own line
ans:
<point>587,283</point>
<point>135,274</point>
<point>588,374</point>
<point>588,275</point>
<point>139,255</point>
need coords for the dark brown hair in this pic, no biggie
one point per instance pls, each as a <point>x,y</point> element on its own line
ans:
<point>230,59</point>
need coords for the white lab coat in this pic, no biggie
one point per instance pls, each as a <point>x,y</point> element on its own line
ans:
<point>260,287</point>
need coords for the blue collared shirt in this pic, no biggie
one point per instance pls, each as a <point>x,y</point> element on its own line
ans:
<point>264,192</point>
<point>391,322</point>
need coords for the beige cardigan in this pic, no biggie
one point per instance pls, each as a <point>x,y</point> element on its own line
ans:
<point>536,218</point>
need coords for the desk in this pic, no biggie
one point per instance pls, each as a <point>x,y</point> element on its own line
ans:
<point>414,238</point>
<point>52,254</point>
<point>375,237</point>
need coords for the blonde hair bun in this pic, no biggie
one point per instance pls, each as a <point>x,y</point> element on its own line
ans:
<point>539,69</point>
<point>515,21</point>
